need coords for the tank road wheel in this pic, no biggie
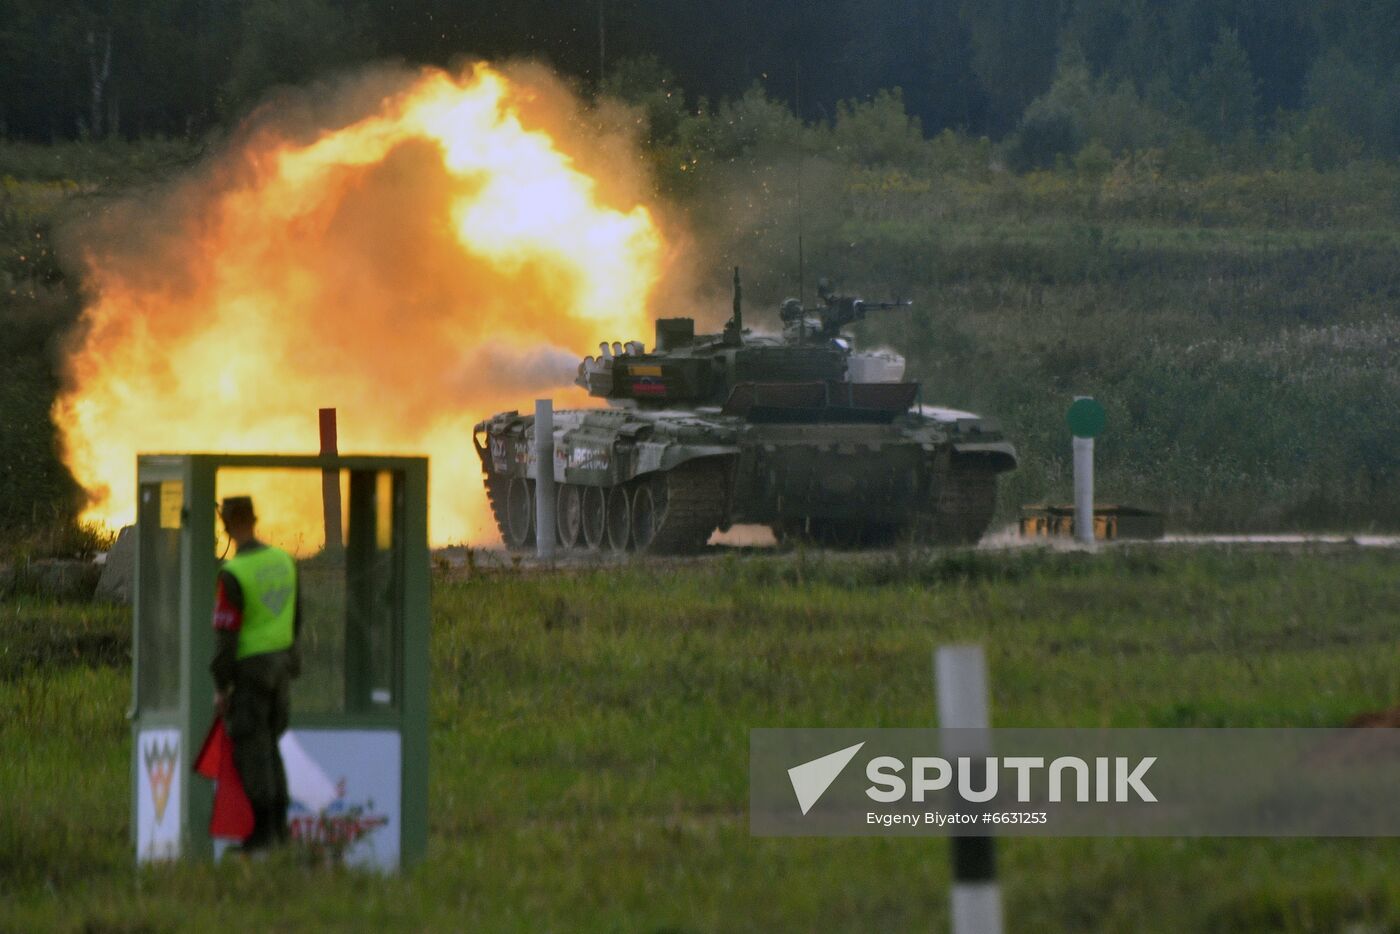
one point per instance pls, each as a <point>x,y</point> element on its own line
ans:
<point>519,531</point>
<point>593,515</point>
<point>619,518</point>
<point>568,511</point>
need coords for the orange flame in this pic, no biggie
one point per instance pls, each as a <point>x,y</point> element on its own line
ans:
<point>442,255</point>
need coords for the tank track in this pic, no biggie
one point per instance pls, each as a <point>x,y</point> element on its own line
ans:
<point>961,507</point>
<point>496,497</point>
<point>964,502</point>
<point>695,503</point>
<point>694,495</point>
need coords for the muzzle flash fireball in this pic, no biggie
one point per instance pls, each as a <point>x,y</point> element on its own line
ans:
<point>410,248</point>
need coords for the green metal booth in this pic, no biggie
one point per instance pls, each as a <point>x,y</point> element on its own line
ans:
<point>356,753</point>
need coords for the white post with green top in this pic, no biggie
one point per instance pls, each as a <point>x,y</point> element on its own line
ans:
<point>1086,420</point>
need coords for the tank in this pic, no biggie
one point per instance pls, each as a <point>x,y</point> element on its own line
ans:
<point>795,430</point>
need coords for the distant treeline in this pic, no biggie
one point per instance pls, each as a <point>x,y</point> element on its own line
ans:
<point>1225,68</point>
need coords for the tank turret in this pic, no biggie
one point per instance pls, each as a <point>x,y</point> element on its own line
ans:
<point>684,368</point>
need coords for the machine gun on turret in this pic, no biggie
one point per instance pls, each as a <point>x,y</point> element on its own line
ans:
<point>835,312</point>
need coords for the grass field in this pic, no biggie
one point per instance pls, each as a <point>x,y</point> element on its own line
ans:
<point>590,732</point>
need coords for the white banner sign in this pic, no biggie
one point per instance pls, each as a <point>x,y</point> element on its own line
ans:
<point>345,787</point>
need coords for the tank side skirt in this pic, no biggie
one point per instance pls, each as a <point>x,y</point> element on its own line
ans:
<point>777,475</point>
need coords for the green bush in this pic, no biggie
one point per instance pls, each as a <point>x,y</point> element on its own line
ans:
<point>877,132</point>
<point>1047,135</point>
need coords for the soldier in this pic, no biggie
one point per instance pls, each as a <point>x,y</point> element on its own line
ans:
<point>257,617</point>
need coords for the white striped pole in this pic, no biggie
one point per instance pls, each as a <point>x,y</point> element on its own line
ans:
<point>960,679</point>
<point>544,479</point>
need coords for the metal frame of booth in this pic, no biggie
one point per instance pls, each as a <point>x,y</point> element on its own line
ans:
<point>191,605</point>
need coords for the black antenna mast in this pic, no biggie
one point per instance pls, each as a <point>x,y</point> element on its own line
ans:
<point>734,329</point>
<point>801,271</point>
<point>738,304</point>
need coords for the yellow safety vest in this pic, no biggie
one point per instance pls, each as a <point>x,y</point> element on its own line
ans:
<point>268,580</point>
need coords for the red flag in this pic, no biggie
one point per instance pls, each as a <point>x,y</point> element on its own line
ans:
<point>233,812</point>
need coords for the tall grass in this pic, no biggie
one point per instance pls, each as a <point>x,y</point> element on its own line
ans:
<point>589,746</point>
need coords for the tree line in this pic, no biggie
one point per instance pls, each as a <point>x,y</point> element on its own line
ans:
<point>137,68</point>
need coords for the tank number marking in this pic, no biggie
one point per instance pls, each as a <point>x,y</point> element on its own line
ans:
<point>588,457</point>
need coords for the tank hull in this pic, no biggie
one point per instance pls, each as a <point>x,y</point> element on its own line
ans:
<point>927,475</point>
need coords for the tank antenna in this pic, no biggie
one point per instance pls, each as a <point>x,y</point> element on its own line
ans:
<point>738,310</point>
<point>801,272</point>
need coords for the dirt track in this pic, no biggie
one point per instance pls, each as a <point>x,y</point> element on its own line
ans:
<point>463,561</point>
